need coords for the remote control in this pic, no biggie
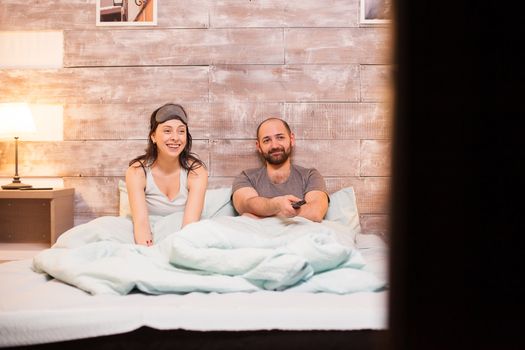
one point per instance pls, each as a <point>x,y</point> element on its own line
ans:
<point>297,205</point>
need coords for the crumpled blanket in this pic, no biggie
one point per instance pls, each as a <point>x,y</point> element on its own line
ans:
<point>222,254</point>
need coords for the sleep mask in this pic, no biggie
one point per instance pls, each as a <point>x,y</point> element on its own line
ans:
<point>170,111</point>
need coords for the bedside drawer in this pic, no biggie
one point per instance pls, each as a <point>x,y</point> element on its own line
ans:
<point>35,216</point>
<point>25,221</point>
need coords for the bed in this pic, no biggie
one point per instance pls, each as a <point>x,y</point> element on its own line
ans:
<point>106,292</point>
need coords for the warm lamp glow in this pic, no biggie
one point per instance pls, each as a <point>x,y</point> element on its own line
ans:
<point>16,119</point>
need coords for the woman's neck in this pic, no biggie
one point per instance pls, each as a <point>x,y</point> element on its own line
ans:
<point>166,165</point>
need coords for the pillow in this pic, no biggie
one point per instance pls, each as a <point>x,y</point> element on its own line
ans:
<point>124,209</point>
<point>216,203</point>
<point>343,209</point>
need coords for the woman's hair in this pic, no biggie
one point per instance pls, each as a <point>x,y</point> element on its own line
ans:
<point>187,159</point>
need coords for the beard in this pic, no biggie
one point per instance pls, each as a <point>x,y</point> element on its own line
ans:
<point>277,159</point>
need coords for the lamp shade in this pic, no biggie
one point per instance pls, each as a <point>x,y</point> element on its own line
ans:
<point>16,119</point>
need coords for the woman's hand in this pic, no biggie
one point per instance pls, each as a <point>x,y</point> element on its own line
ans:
<point>136,183</point>
<point>146,240</point>
<point>197,183</point>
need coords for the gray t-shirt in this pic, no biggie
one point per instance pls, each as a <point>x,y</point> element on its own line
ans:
<point>301,181</point>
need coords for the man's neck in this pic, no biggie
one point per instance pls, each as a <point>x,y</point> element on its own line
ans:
<point>278,174</point>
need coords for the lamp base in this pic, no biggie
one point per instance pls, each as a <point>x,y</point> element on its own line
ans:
<point>15,186</point>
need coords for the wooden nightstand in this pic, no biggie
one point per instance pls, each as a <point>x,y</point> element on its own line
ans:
<point>32,220</point>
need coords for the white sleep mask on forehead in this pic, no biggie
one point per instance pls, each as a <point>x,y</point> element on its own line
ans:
<point>170,111</point>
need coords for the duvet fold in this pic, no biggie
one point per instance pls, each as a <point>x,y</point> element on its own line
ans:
<point>223,254</point>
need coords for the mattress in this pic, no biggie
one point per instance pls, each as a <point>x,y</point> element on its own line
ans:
<point>36,309</point>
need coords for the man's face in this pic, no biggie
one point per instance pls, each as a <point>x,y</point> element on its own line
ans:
<point>274,143</point>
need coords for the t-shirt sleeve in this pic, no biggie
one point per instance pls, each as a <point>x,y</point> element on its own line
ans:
<point>241,181</point>
<point>315,182</point>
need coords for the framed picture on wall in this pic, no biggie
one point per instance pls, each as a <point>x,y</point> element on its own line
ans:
<point>126,12</point>
<point>375,12</point>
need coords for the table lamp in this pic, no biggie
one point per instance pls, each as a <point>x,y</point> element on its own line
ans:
<point>16,119</point>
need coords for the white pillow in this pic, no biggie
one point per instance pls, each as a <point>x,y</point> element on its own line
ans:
<point>217,202</point>
<point>343,209</point>
<point>124,209</point>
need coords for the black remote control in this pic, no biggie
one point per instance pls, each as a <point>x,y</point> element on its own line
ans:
<point>297,205</point>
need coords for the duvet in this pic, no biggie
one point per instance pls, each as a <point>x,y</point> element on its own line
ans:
<point>221,254</point>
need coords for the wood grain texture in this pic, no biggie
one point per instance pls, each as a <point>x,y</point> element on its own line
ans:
<point>95,195</point>
<point>82,218</point>
<point>183,14</point>
<point>80,14</point>
<point>376,83</point>
<point>372,193</point>
<point>220,120</point>
<point>278,13</point>
<point>284,83</point>
<point>107,121</point>
<point>232,120</point>
<point>100,85</point>
<point>121,47</point>
<point>375,224</point>
<point>46,15</point>
<point>230,157</point>
<point>330,157</point>
<point>375,157</point>
<point>78,158</point>
<point>220,182</point>
<point>339,120</point>
<point>337,45</point>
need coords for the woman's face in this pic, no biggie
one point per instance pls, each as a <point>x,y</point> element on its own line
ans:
<point>170,137</point>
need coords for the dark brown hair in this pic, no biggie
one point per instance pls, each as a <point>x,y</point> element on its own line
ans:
<point>187,159</point>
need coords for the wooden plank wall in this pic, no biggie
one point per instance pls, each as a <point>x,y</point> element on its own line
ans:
<point>231,63</point>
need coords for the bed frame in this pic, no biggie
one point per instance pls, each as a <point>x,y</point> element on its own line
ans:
<point>149,338</point>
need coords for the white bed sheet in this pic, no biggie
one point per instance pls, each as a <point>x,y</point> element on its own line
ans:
<point>35,309</point>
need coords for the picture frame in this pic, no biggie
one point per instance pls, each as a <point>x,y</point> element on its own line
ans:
<point>375,12</point>
<point>126,12</point>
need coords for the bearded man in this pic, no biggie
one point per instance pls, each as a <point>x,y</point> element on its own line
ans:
<point>279,188</point>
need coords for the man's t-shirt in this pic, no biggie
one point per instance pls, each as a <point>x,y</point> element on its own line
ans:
<point>300,182</point>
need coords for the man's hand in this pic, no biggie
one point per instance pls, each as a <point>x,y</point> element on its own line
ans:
<point>284,205</point>
<point>247,200</point>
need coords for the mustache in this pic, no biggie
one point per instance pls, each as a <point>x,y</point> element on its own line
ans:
<point>281,149</point>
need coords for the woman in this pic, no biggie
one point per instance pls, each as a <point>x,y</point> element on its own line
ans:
<point>168,177</point>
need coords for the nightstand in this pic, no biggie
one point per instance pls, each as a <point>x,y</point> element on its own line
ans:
<point>32,220</point>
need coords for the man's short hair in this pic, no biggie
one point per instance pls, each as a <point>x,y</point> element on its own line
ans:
<point>274,118</point>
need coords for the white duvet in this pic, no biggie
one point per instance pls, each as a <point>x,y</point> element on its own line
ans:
<point>221,254</point>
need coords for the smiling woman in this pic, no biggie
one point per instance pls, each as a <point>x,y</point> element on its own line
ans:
<point>168,178</point>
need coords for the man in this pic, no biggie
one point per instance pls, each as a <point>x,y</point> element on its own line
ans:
<point>273,189</point>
